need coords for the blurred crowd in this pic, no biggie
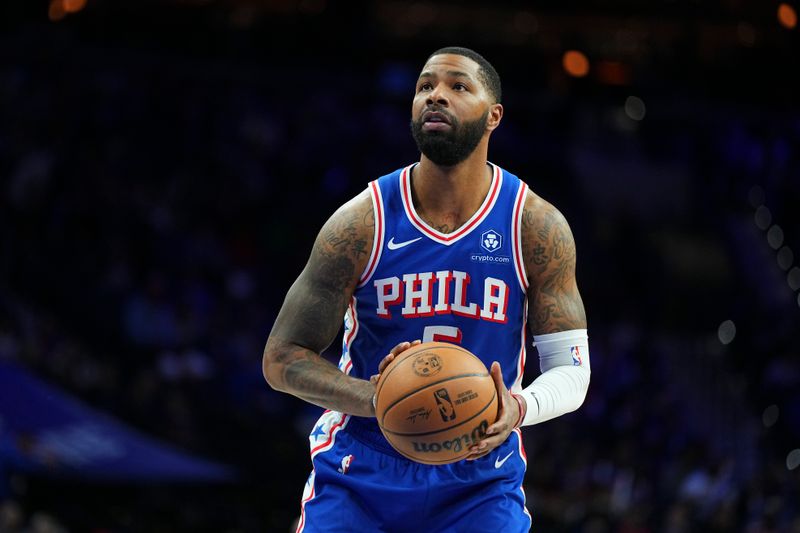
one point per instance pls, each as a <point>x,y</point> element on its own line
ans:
<point>154,210</point>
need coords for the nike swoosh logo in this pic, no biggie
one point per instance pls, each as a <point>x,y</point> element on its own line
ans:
<point>499,462</point>
<point>395,245</point>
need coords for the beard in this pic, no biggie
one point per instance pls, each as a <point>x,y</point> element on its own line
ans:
<point>448,148</point>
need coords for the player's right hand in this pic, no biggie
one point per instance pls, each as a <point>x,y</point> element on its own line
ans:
<point>397,350</point>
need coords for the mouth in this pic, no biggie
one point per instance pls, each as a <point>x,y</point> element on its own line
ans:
<point>435,121</point>
<point>435,117</point>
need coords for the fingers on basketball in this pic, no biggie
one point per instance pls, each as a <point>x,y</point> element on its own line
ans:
<point>397,350</point>
<point>435,401</point>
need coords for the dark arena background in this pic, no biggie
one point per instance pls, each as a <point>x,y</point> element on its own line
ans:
<point>165,166</point>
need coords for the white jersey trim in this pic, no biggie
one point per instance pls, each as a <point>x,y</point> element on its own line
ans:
<point>308,495</point>
<point>524,456</point>
<point>332,422</point>
<point>519,258</point>
<point>516,386</point>
<point>380,231</point>
<point>346,362</point>
<point>449,238</point>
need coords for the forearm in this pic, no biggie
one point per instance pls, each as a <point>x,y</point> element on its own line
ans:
<point>303,373</point>
<point>564,382</point>
<point>558,391</point>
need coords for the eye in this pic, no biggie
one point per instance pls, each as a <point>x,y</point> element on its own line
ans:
<point>460,87</point>
<point>425,87</point>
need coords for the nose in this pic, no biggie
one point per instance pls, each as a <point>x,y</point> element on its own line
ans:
<point>438,96</point>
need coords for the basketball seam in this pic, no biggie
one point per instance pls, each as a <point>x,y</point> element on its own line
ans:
<point>494,395</point>
<point>411,393</point>
<point>397,362</point>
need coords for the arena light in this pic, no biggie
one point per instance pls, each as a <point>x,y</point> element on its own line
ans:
<point>575,63</point>
<point>770,416</point>
<point>56,10</point>
<point>775,237</point>
<point>793,459</point>
<point>635,108</point>
<point>59,9</point>
<point>726,332</point>
<point>763,217</point>
<point>785,258</point>
<point>787,16</point>
<point>73,6</point>
<point>793,278</point>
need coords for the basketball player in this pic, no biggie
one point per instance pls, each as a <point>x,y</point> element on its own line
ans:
<point>451,248</point>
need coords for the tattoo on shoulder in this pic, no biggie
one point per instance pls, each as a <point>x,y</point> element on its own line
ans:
<point>369,219</point>
<point>550,246</point>
<point>348,233</point>
<point>549,254</point>
<point>312,312</point>
<point>344,235</point>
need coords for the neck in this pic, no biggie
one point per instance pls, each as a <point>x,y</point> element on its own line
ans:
<point>446,197</point>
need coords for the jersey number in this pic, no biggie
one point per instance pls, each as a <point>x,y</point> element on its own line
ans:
<point>441,334</point>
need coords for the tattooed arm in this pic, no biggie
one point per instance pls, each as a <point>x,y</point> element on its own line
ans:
<point>555,314</point>
<point>558,321</point>
<point>554,303</point>
<point>312,314</point>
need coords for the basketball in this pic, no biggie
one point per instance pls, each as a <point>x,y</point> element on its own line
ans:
<point>434,401</point>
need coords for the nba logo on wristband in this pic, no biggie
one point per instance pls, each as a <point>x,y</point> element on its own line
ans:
<point>576,356</point>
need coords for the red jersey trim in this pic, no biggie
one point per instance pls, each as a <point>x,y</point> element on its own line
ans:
<point>334,429</point>
<point>377,240</point>
<point>347,362</point>
<point>519,262</point>
<point>516,386</point>
<point>302,523</point>
<point>449,238</point>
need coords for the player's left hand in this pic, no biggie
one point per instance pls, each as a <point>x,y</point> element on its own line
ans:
<point>507,416</point>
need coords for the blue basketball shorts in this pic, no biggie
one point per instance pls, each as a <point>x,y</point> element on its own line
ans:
<point>356,486</point>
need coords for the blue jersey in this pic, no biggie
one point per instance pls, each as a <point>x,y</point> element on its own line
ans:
<point>466,287</point>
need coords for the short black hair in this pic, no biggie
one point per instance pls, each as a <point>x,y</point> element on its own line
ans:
<point>489,76</point>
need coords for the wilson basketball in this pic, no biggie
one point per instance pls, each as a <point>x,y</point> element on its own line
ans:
<point>434,401</point>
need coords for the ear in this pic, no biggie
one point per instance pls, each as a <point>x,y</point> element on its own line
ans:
<point>495,116</point>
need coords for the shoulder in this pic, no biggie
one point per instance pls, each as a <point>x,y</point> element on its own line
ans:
<point>357,208</point>
<point>540,217</point>
<point>546,236</point>
<point>345,240</point>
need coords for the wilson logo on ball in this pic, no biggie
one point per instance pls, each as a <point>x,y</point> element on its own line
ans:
<point>446,408</point>
<point>434,400</point>
<point>427,365</point>
<point>456,444</point>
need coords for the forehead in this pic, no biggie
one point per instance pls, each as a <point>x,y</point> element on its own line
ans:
<point>443,64</point>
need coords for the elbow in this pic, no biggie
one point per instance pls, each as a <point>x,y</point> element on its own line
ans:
<point>575,402</point>
<point>271,367</point>
<point>576,394</point>
<point>580,400</point>
<point>583,389</point>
